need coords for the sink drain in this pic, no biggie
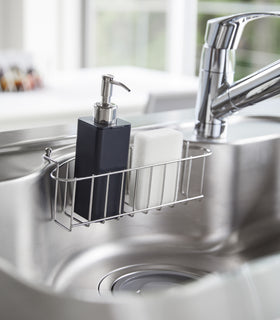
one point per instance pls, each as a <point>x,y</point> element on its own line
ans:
<point>155,280</point>
<point>142,279</point>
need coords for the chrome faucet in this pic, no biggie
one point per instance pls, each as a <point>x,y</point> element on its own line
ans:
<point>218,95</point>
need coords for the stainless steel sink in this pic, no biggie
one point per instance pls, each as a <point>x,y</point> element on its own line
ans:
<point>236,222</point>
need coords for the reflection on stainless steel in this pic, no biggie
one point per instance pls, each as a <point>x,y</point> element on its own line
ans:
<point>162,249</point>
<point>219,96</point>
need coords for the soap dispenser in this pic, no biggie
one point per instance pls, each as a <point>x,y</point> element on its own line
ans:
<point>102,146</point>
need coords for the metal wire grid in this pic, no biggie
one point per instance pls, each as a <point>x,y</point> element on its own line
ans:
<point>65,187</point>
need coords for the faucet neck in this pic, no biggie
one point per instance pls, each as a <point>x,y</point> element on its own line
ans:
<point>216,76</point>
<point>218,95</point>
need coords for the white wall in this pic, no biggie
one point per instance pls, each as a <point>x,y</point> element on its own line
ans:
<point>49,29</point>
<point>11,22</point>
<point>70,34</point>
<point>181,40</point>
<point>181,30</point>
<point>40,36</point>
<point>52,32</point>
<point>1,23</point>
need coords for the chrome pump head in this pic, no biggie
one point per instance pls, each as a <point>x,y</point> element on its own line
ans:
<point>105,112</point>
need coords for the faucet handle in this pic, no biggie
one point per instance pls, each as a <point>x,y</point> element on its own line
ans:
<point>225,32</point>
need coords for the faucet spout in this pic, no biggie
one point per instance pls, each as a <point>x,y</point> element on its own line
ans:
<point>218,95</point>
<point>259,86</point>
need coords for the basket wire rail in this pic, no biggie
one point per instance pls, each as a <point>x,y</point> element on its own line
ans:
<point>186,185</point>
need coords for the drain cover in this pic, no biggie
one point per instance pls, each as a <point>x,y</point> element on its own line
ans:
<point>142,279</point>
<point>142,282</point>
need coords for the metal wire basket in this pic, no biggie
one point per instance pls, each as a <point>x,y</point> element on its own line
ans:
<point>143,188</point>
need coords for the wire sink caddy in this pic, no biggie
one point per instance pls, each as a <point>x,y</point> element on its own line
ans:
<point>163,185</point>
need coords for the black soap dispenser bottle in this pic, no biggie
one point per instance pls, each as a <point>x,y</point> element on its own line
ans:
<point>102,146</point>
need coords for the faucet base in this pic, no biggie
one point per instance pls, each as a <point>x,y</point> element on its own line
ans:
<point>215,130</point>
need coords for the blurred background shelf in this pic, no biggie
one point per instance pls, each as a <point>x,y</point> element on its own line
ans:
<point>69,94</point>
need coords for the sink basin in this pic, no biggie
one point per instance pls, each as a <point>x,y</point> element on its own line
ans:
<point>236,222</point>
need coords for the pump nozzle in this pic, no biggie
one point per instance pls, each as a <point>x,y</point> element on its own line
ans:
<point>107,88</point>
<point>106,112</point>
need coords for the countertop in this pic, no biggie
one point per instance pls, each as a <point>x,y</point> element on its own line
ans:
<point>70,94</point>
